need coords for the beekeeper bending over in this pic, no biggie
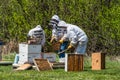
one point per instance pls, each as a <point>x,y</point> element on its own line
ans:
<point>77,37</point>
<point>36,36</point>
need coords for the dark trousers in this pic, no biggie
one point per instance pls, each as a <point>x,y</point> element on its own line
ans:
<point>63,46</point>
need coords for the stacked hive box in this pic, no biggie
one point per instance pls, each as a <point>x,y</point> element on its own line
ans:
<point>50,56</point>
<point>28,52</point>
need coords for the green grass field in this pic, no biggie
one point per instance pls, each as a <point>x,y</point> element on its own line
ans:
<point>112,72</point>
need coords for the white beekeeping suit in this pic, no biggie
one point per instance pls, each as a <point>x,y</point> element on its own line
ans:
<point>56,32</point>
<point>61,31</point>
<point>38,34</point>
<point>76,36</point>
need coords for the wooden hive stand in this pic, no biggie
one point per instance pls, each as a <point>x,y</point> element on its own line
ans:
<point>98,61</point>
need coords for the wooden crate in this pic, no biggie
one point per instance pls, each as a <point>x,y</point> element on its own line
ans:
<point>98,61</point>
<point>73,62</point>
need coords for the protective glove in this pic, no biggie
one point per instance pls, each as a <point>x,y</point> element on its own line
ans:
<point>69,47</point>
<point>61,41</point>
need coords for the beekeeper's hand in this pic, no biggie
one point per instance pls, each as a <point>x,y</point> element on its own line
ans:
<point>61,41</point>
<point>70,46</point>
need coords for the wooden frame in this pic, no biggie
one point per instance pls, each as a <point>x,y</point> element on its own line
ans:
<point>42,64</point>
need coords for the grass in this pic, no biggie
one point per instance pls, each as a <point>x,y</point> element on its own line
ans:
<point>112,72</point>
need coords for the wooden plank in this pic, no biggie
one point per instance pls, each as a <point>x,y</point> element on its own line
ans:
<point>76,62</point>
<point>81,60</point>
<point>24,66</point>
<point>42,64</point>
<point>70,62</point>
<point>58,65</point>
<point>102,61</point>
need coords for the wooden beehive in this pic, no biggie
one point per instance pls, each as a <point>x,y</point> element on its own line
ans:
<point>98,61</point>
<point>73,62</point>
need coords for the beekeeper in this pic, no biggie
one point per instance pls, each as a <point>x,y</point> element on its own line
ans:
<point>77,37</point>
<point>36,35</point>
<point>53,25</point>
<point>57,34</point>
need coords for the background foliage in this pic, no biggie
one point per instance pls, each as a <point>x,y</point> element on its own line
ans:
<point>100,19</point>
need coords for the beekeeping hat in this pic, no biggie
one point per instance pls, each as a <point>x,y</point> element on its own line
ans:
<point>38,26</point>
<point>54,21</point>
<point>56,18</point>
<point>62,24</point>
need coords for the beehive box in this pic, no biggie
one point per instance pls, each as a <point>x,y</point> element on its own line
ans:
<point>27,52</point>
<point>98,61</point>
<point>23,57</point>
<point>73,62</point>
<point>29,48</point>
<point>50,56</point>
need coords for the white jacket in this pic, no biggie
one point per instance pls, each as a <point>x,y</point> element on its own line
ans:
<point>38,32</point>
<point>74,34</point>
<point>58,33</point>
